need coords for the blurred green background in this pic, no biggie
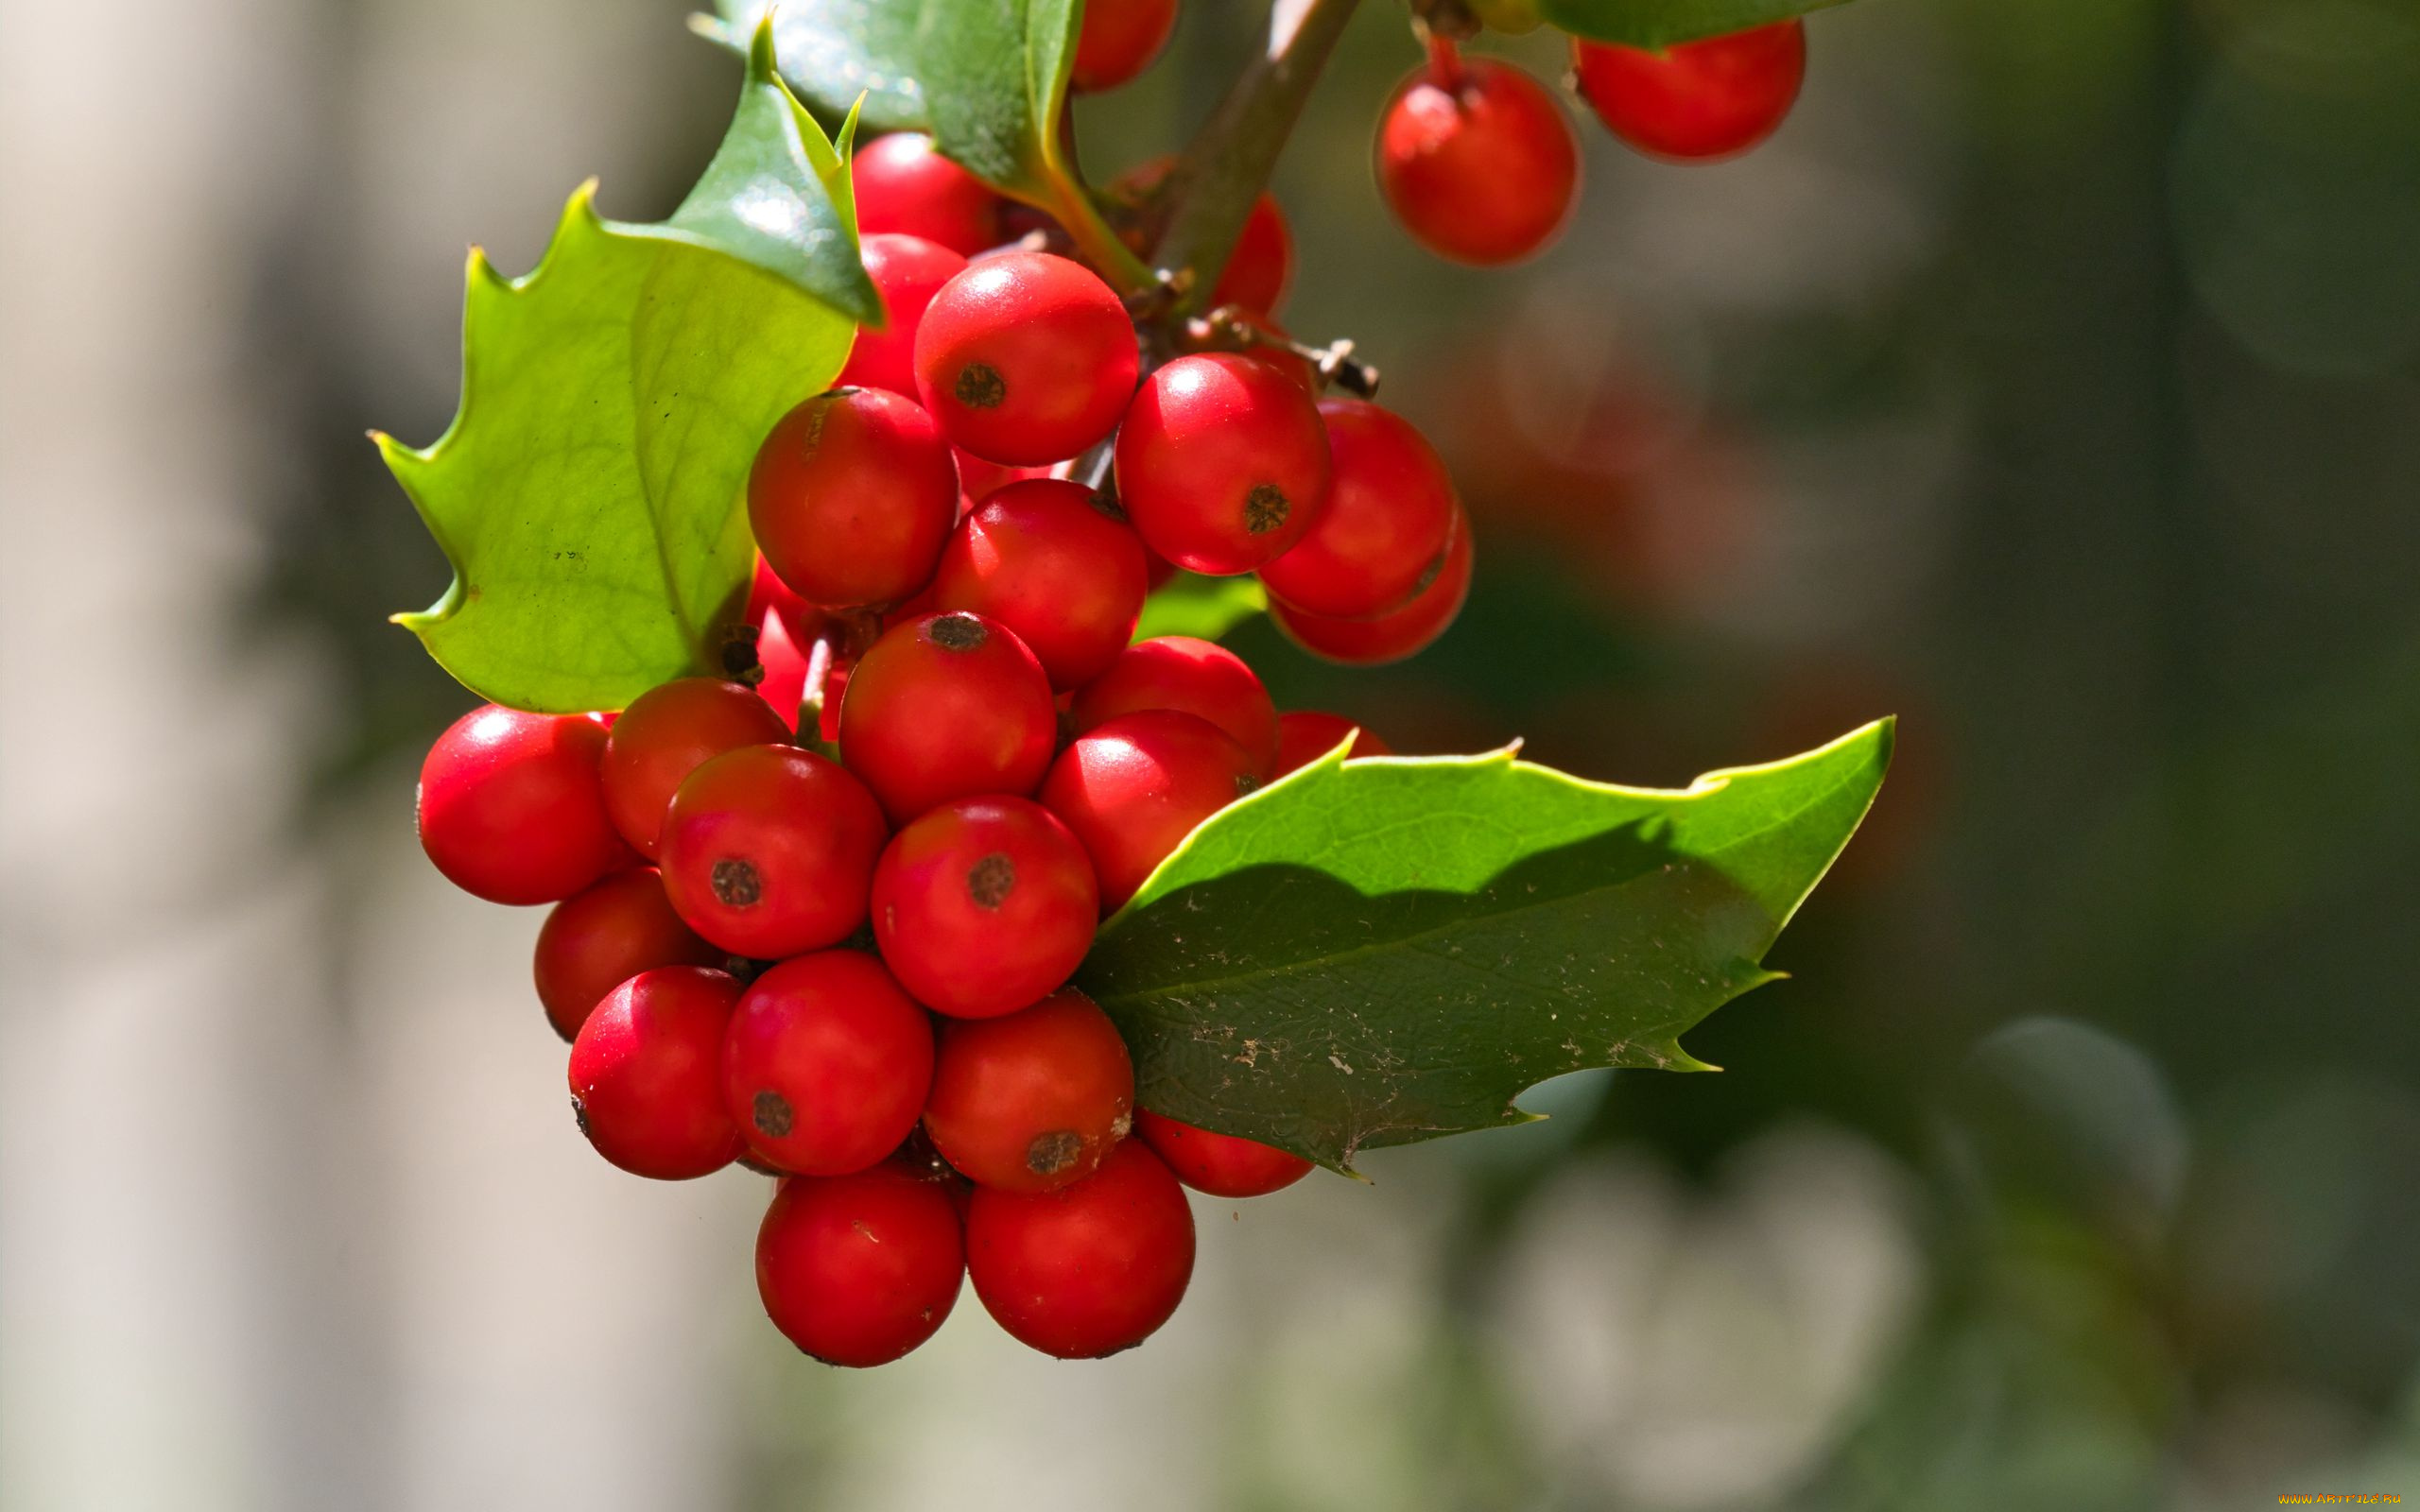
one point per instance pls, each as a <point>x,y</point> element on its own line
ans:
<point>2051,380</point>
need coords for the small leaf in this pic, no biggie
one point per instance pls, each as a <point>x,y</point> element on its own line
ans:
<point>1378,952</point>
<point>1662,22</point>
<point>611,401</point>
<point>1205,608</point>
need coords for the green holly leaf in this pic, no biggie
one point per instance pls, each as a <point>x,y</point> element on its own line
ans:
<point>1378,951</point>
<point>836,52</point>
<point>1205,608</point>
<point>613,399</point>
<point>1662,22</point>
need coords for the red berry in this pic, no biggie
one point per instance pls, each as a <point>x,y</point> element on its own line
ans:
<point>1119,39</point>
<point>1479,167</point>
<point>851,497</point>
<point>907,272</point>
<point>769,851</point>
<point>1135,787</point>
<point>826,1063</point>
<point>1390,637</point>
<point>668,732</point>
<point>857,1270</point>
<point>1191,677</point>
<point>1697,100</point>
<point>511,809</point>
<point>768,594</point>
<point>983,906</point>
<point>594,941</point>
<point>1219,1164</point>
<point>1026,358</point>
<point>948,706</point>
<point>1261,269</point>
<point>1222,463</point>
<point>1034,1100</point>
<point>1390,514</point>
<point>907,188</point>
<point>1090,1269</point>
<point>1044,558</point>
<point>1304,736</point>
<point>784,658</point>
<point>646,1080</point>
<point>977,479</point>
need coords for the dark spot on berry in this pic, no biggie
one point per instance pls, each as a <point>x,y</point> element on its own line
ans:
<point>1246,783</point>
<point>771,1115</point>
<point>736,883</point>
<point>1265,508</point>
<point>1054,1152</point>
<point>580,1116</point>
<point>992,880</point>
<point>979,386</point>
<point>959,633</point>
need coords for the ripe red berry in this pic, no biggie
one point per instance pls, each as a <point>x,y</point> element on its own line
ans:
<point>948,706</point>
<point>983,906</point>
<point>511,809</point>
<point>1046,560</point>
<point>1699,100</point>
<point>769,851</point>
<point>646,1082</point>
<point>1478,162</point>
<point>666,733</point>
<point>826,1063</point>
<point>1192,676</point>
<point>594,941</point>
<point>1222,463</point>
<point>1261,269</point>
<point>1390,637</point>
<point>907,188</point>
<point>857,1270</point>
<point>1133,788</point>
<point>851,497</point>
<point>1390,514</point>
<point>1118,41</point>
<point>767,595</point>
<point>1026,358</point>
<point>907,272</point>
<point>1219,1164</point>
<point>1033,1100</point>
<point>1304,736</point>
<point>1090,1269</point>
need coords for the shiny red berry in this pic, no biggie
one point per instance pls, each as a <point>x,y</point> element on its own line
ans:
<point>1390,637</point>
<point>646,1082</point>
<point>1222,463</point>
<point>1260,270</point>
<point>851,497</point>
<point>769,851</point>
<point>1034,1100</point>
<point>666,733</point>
<point>905,187</point>
<point>594,941</point>
<point>1046,559</point>
<point>1026,358</point>
<point>948,706</point>
<point>857,1270</point>
<point>1089,1269</point>
<point>1192,676</point>
<point>1695,101</point>
<point>826,1063</point>
<point>1219,1164</point>
<point>1132,789</point>
<point>1391,512</point>
<point>511,808</point>
<point>984,905</point>
<point>1118,41</point>
<point>1304,736</point>
<point>906,272</point>
<point>1478,162</point>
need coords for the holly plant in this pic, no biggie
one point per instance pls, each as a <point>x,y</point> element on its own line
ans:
<point>843,562</point>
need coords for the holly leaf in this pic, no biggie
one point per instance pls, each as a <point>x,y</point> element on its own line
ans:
<point>1662,22</point>
<point>613,399</point>
<point>836,52</point>
<point>1383,951</point>
<point>1203,608</point>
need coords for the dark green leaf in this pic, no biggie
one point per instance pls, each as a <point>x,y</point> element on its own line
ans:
<point>1378,952</point>
<point>1205,608</point>
<point>1662,22</point>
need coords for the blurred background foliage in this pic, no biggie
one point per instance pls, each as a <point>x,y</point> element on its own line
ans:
<point>2051,380</point>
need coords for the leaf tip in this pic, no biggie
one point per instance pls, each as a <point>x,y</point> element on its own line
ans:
<point>762,66</point>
